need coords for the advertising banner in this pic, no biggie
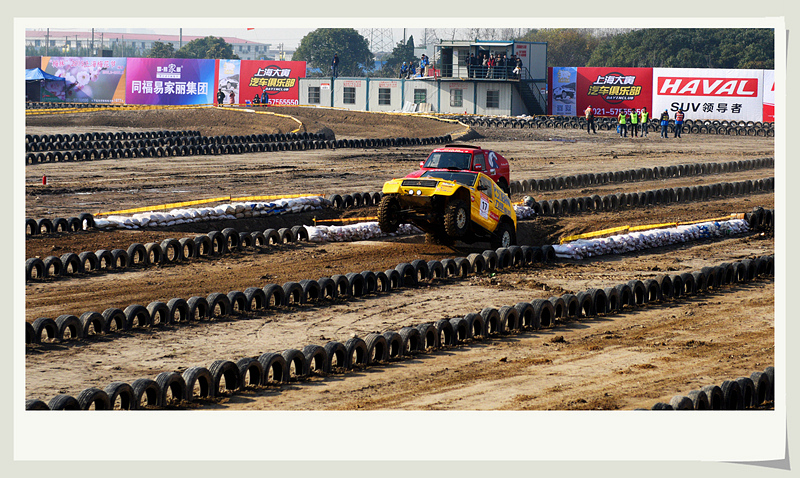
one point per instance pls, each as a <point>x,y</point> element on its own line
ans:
<point>228,82</point>
<point>562,93</point>
<point>89,79</point>
<point>275,81</point>
<point>170,81</point>
<point>715,94</point>
<point>611,90</point>
<point>769,96</point>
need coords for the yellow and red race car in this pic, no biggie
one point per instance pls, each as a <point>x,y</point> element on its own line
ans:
<point>465,157</point>
<point>449,206</point>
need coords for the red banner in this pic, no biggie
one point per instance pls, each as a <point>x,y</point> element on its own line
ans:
<point>733,87</point>
<point>610,90</point>
<point>279,80</point>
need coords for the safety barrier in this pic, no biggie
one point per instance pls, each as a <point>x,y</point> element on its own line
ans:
<point>755,391</point>
<point>720,127</point>
<point>292,365</point>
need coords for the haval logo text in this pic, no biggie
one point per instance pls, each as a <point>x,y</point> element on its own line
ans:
<point>747,87</point>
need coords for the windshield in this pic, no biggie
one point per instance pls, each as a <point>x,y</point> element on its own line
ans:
<point>467,179</point>
<point>448,160</point>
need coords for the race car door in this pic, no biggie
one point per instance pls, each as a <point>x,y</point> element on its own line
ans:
<point>483,217</point>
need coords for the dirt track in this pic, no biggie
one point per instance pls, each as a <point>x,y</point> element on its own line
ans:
<point>623,361</point>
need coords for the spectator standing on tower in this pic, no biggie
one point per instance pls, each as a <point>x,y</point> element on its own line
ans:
<point>335,65</point>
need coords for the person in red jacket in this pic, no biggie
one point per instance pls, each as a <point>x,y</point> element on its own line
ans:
<point>678,123</point>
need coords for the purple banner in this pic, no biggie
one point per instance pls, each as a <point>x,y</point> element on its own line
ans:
<point>169,81</point>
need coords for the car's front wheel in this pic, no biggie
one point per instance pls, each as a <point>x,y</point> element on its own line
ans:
<point>389,214</point>
<point>456,219</point>
<point>503,236</point>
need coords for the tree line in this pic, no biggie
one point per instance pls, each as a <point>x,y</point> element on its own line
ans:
<point>735,48</point>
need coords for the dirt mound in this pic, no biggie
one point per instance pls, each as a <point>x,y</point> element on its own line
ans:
<point>213,121</point>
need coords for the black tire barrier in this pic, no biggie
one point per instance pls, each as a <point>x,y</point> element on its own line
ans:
<point>476,326</point>
<point>642,174</point>
<point>191,143</point>
<point>739,394</point>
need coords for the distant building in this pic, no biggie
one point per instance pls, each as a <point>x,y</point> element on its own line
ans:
<point>451,87</point>
<point>88,43</point>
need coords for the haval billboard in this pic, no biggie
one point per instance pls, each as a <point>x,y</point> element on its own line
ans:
<point>735,95</point>
<point>610,90</point>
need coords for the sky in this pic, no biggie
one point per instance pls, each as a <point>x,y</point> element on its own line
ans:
<point>290,37</point>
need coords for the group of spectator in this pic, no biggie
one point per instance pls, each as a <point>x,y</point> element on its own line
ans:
<point>631,119</point>
<point>410,70</point>
<point>221,97</point>
<point>494,66</point>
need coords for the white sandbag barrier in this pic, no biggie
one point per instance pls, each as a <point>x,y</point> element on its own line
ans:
<point>237,210</point>
<point>355,232</point>
<point>640,240</point>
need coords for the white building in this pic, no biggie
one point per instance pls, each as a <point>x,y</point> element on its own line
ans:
<point>452,88</point>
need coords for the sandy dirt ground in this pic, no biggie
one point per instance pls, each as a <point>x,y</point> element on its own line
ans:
<point>612,362</point>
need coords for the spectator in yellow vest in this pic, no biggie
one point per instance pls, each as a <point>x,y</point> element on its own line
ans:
<point>634,123</point>
<point>644,117</point>
<point>623,125</point>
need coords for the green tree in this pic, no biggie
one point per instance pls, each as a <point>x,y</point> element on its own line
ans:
<point>686,48</point>
<point>402,52</point>
<point>206,48</point>
<point>161,50</point>
<point>318,47</point>
<point>565,46</point>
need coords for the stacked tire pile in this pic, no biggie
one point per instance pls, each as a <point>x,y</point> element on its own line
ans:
<point>158,144</point>
<point>172,388</point>
<point>168,251</point>
<point>755,391</point>
<point>572,181</point>
<point>724,127</point>
<point>58,225</point>
<point>351,200</point>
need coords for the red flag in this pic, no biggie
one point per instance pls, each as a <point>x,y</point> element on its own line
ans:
<point>251,28</point>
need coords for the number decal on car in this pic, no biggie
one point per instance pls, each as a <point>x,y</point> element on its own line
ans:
<point>484,210</point>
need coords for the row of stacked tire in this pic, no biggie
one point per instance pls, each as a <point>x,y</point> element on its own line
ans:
<point>614,202</point>
<point>375,348</point>
<point>170,250</point>
<point>739,394</point>
<point>40,105</point>
<point>49,149</point>
<point>639,174</point>
<point>724,127</point>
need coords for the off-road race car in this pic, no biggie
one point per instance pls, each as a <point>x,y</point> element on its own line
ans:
<point>449,206</point>
<point>464,157</point>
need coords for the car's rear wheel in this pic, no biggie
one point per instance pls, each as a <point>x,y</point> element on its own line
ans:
<point>503,236</point>
<point>389,214</point>
<point>456,219</point>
